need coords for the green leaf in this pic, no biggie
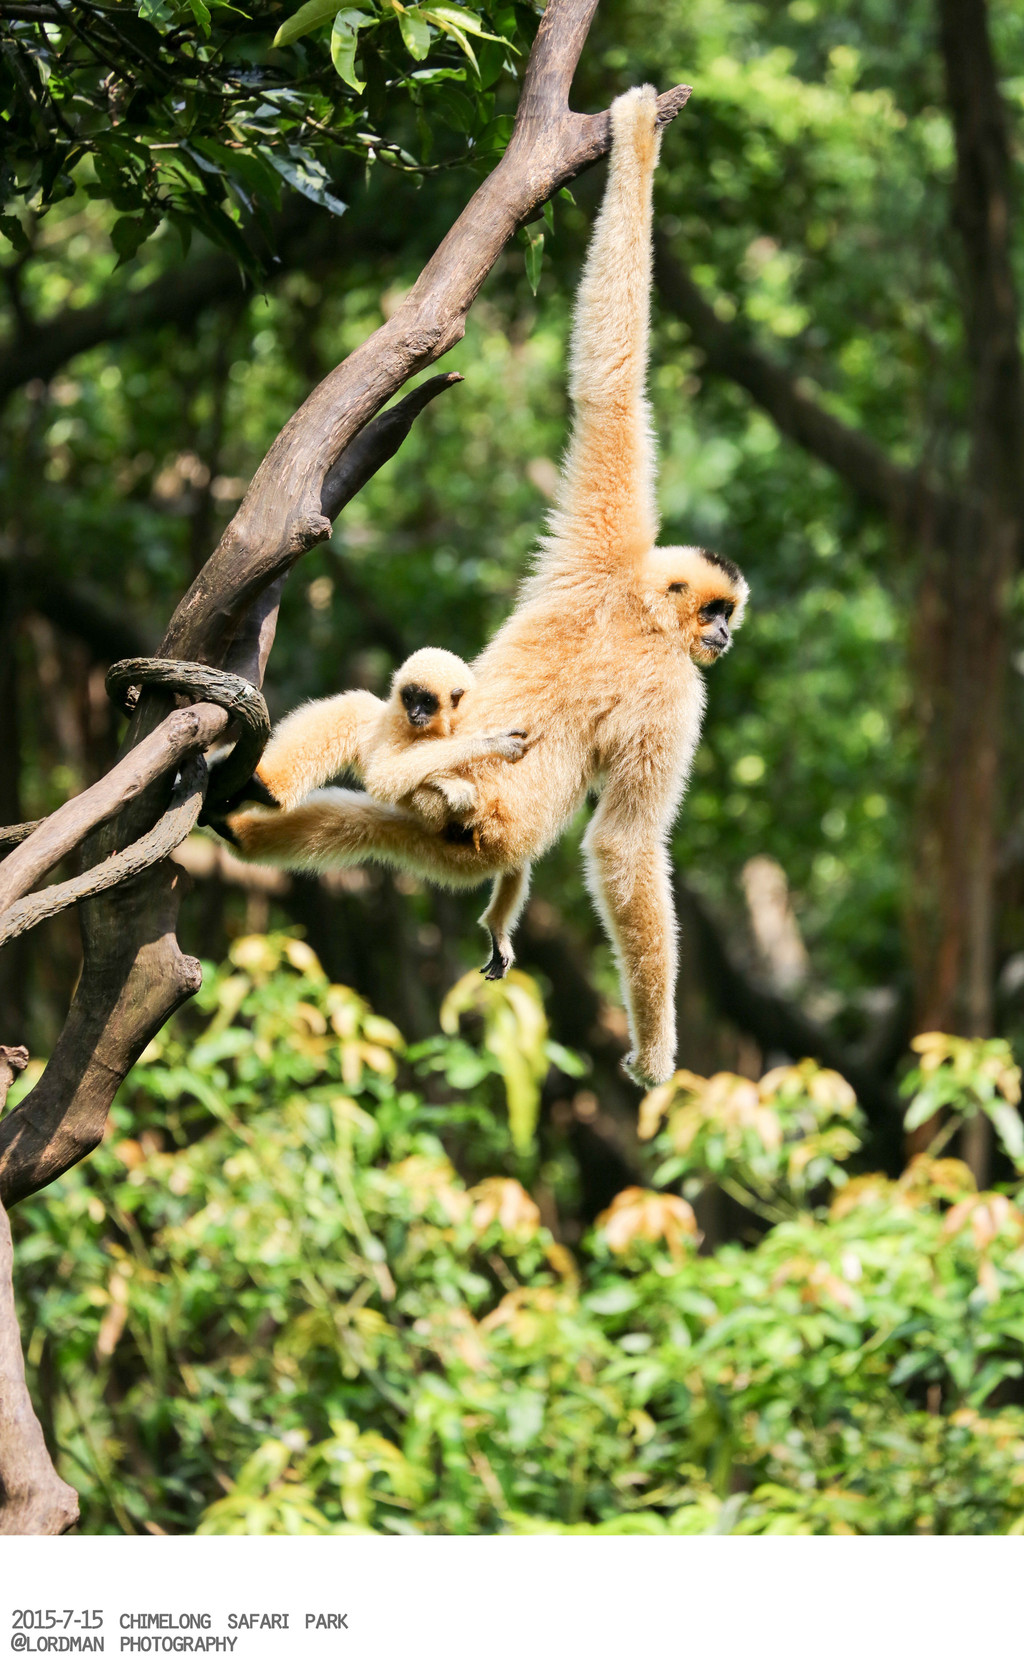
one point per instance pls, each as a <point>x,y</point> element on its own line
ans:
<point>1009,1128</point>
<point>128,235</point>
<point>201,13</point>
<point>310,179</point>
<point>344,40</point>
<point>415,32</point>
<point>492,62</point>
<point>457,17</point>
<point>14,231</point>
<point>310,16</point>
<point>920,1110</point>
<point>534,240</point>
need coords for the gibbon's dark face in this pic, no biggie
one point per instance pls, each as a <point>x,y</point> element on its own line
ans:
<point>423,705</point>
<point>707,594</point>
<point>713,637</point>
<point>420,703</point>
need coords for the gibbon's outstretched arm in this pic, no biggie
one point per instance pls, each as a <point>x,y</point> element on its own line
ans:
<point>605,513</point>
<point>316,742</point>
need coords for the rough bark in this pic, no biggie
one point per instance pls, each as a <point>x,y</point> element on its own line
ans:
<point>34,1500</point>
<point>963,636</point>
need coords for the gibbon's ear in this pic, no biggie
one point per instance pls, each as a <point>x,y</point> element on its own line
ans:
<point>457,697</point>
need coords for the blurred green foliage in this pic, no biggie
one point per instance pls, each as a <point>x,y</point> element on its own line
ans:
<point>298,1290</point>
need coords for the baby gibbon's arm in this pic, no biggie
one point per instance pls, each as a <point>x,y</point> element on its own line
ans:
<point>393,774</point>
<point>316,742</point>
<point>605,509</point>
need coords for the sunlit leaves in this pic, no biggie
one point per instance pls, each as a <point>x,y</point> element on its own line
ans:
<point>965,1075</point>
<point>346,1335</point>
<point>344,40</point>
<point>773,1141</point>
<point>515,1033</point>
<point>312,16</point>
<point>178,111</point>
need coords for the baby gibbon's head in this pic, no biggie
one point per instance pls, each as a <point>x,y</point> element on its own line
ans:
<point>427,690</point>
<point>701,594</point>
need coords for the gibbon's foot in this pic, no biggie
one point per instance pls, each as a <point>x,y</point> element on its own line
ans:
<point>252,793</point>
<point>499,963</point>
<point>220,827</point>
<point>647,1075</point>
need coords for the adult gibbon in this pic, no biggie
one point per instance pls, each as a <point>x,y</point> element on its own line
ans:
<point>600,656</point>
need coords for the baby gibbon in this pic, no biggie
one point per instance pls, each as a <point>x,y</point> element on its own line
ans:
<point>407,754</point>
<point>603,652</point>
<point>404,749</point>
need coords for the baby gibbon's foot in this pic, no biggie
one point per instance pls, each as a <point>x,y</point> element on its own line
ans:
<point>499,963</point>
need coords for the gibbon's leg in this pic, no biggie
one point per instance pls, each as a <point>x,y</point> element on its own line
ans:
<point>500,917</point>
<point>337,827</point>
<point>605,511</point>
<point>628,875</point>
<point>314,743</point>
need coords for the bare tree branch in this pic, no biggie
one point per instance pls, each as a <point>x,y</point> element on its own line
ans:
<point>179,820</point>
<point>182,733</point>
<point>901,492</point>
<point>175,739</point>
<point>34,1500</point>
<point>134,976</point>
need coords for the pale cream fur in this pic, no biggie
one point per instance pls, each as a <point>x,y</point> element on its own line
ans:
<point>599,655</point>
<point>400,763</point>
<point>427,769</point>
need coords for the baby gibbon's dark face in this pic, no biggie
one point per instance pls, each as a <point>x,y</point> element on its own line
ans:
<point>423,705</point>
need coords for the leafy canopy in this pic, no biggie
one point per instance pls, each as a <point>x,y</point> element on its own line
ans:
<point>206,114</point>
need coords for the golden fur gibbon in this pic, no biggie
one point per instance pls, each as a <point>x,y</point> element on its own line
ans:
<point>407,754</point>
<point>601,653</point>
